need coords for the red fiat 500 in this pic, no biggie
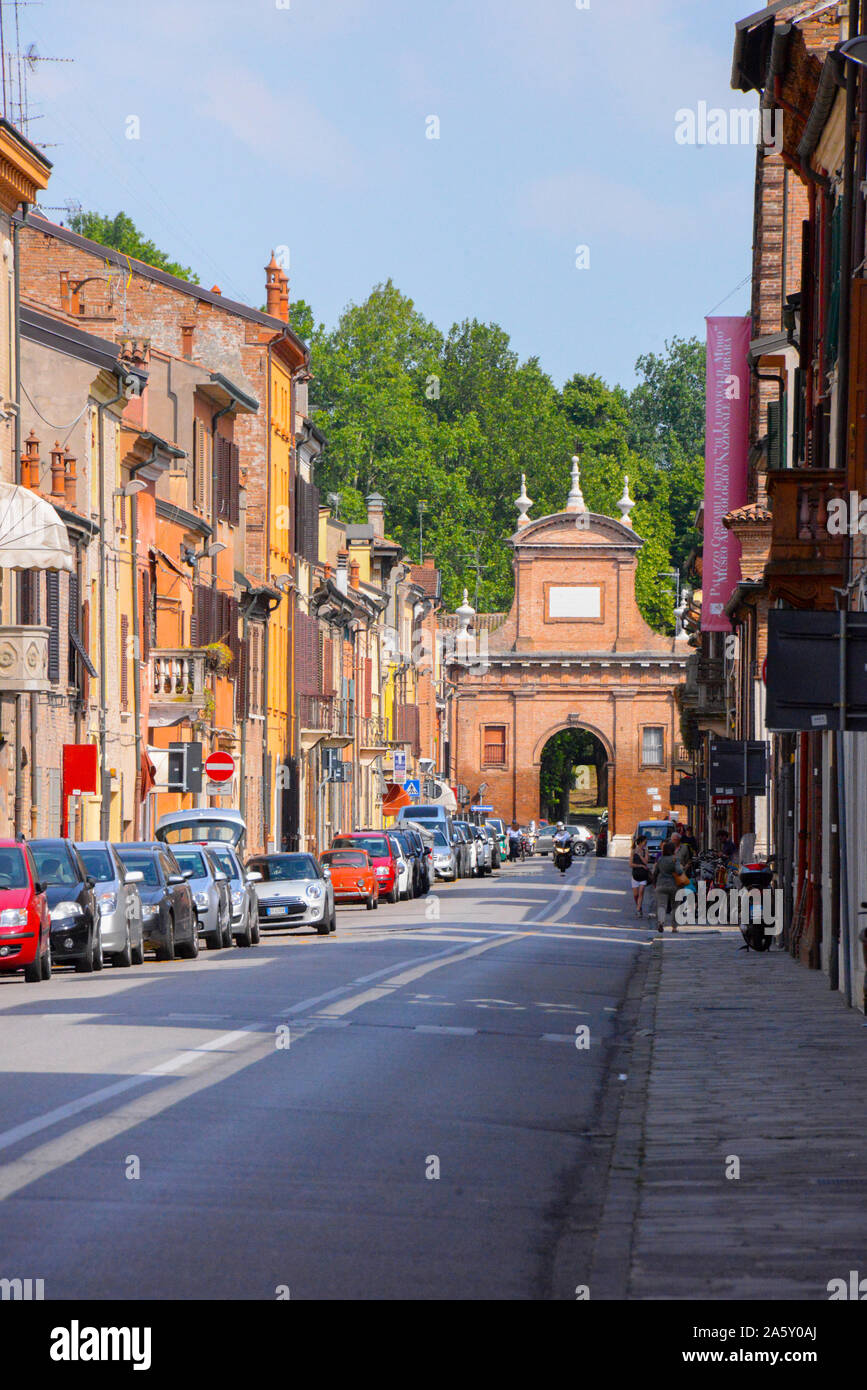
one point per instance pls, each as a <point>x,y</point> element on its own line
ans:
<point>25,925</point>
<point>352,876</point>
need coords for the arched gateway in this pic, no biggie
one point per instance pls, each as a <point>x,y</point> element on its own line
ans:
<point>573,652</point>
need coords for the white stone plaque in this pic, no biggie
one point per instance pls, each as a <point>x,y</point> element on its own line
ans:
<point>574,601</point>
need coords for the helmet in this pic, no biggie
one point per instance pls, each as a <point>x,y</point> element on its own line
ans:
<point>560,825</point>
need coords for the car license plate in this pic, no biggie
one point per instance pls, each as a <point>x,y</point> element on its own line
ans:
<point>277,911</point>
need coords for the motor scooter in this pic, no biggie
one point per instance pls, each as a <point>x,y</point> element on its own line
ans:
<point>753,930</point>
<point>562,857</point>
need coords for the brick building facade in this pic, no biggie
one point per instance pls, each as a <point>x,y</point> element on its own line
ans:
<point>573,652</point>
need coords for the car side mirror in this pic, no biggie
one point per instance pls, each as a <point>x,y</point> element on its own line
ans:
<point>135,876</point>
<point>174,879</point>
<point>221,878</point>
<point>187,873</point>
<point>91,882</point>
<point>38,887</point>
<point>254,876</point>
<point>326,872</point>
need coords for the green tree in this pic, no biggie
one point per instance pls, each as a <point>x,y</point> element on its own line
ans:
<point>122,233</point>
<point>565,751</point>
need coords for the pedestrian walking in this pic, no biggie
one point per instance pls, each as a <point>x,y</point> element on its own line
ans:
<point>665,882</point>
<point>640,872</point>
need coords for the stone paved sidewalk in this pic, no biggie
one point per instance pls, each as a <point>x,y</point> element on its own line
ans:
<point>749,1057</point>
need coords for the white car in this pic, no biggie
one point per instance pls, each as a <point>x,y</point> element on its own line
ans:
<point>292,891</point>
<point>404,872</point>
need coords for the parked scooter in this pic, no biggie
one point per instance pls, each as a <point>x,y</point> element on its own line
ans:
<point>753,931</point>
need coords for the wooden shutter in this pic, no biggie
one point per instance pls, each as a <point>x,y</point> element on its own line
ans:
<point>199,465</point>
<point>124,661</point>
<point>84,634</point>
<point>858,387</point>
<point>234,506</point>
<point>367,686</point>
<point>242,682</point>
<point>146,615</point>
<point>52,605</point>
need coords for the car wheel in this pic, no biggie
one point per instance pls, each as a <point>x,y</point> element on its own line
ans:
<point>245,938</point>
<point>122,959</point>
<point>214,940</point>
<point>256,934</point>
<point>138,954</point>
<point>86,966</point>
<point>167,952</point>
<point>370,903</point>
<point>323,928</point>
<point>189,950</point>
<point>376,902</point>
<point>394,895</point>
<point>333,923</point>
<point>228,939</point>
<point>36,972</point>
<point>97,948</point>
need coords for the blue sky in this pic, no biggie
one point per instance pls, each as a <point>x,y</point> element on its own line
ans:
<point>303,124</point>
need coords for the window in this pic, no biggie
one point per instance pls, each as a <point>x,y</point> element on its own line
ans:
<point>652,745</point>
<point>494,740</point>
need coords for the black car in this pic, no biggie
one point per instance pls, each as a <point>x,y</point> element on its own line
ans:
<point>419,848</point>
<point>75,925</point>
<point>169,922</point>
<point>414,854</point>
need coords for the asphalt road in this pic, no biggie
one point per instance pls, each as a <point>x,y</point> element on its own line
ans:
<point>397,1111</point>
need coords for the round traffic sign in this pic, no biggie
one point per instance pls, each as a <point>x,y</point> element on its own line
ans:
<point>220,767</point>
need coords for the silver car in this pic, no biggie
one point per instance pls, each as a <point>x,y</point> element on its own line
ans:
<point>117,900</point>
<point>445,855</point>
<point>209,886</point>
<point>292,891</point>
<point>484,851</point>
<point>242,893</point>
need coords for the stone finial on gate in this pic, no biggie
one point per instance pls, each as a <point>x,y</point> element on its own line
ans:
<point>575,501</point>
<point>626,503</point>
<point>523,503</point>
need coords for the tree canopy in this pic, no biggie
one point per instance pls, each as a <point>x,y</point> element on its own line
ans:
<point>451,421</point>
<point>121,233</point>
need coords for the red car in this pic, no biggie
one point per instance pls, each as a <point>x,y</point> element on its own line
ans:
<point>353,877</point>
<point>378,846</point>
<point>25,923</point>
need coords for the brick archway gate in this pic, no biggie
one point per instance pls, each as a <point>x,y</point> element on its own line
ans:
<point>573,651</point>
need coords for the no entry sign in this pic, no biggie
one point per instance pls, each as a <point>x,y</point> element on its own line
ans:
<point>220,767</point>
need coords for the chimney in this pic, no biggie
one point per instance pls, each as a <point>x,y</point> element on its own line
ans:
<point>341,578</point>
<point>30,462</point>
<point>283,304</point>
<point>70,480</point>
<point>58,474</point>
<point>376,514</point>
<point>354,574</point>
<point>272,287</point>
<point>429,562</point>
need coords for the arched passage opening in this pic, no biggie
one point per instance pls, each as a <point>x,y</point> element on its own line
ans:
<point>573,777</point>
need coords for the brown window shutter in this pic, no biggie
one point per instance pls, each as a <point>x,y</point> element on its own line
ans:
<point>199,465</point>
<point>85,642</point>
<point>146,615</point>
<point>52,615</point>
<point>234,484</point>
<point>242,683</point>
<point>124,661</point>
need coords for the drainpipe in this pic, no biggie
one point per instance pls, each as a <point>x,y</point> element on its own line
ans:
<point>16,466</point>
<point>104,778</point>
<point>215,419</point>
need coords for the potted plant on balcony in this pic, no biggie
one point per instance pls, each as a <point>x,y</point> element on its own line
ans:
<point>218,657</point>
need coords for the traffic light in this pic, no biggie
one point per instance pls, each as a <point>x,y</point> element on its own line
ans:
<point>185,767</point>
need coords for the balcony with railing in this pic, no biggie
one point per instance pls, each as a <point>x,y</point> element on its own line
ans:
<point>326,719</point>
<point>23,658</point>
<point>372,736</point>
<point>179,675</point>
<point>703,691</point>
<point>806,559</point>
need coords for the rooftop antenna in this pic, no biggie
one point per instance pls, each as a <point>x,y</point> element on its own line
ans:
<point>17,64</point>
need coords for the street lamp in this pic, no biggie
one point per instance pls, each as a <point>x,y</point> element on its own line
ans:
<point>193,557</point>
<point>855,50</point>
<point>675,575</point>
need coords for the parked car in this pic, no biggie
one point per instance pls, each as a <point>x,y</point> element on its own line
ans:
<point>499,828</point>
<point>472,856</point>
<point>75,922</point>
<point>242,893</point>
<point>118,901</point>
<point>484,855</point>
<point>414,857</point>
<point>168,910</point>
<point>425,836</point>
<point>405,886</point>
<point>464,848</point>
<point>545,838</point>
<point>583,840</point>
<point>202,824</point>
<point>427,815</point>
<point>377,844</point>
<point>445,855</point>
<point>352,876</point>
<point>25,921</point>
<point>412,841</point>
<point>657,832</point>
<point>212,896</point>
<point>292,891</point>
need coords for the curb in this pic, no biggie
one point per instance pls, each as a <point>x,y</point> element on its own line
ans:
<point>625,1108</point>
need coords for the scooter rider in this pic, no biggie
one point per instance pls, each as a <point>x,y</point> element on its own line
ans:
<point>562,843</point>
<point>514,841</point>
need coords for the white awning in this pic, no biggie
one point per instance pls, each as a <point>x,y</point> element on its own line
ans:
<point>32,536</point>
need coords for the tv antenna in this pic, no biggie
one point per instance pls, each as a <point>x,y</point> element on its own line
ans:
<point>17,64</point>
